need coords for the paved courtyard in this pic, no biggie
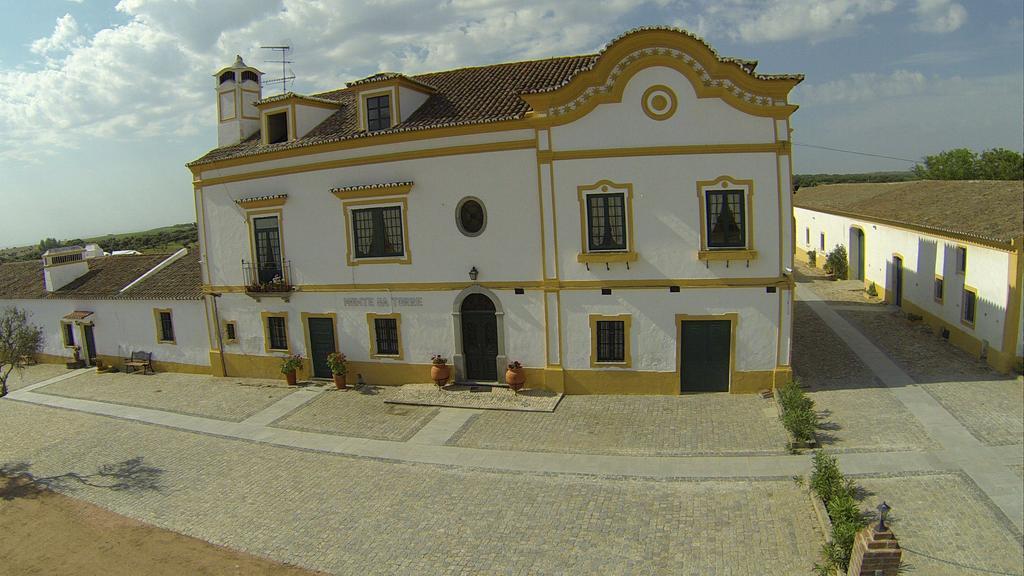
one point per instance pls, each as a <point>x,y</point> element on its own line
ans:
<point>231,399</point>
<point>351,515</point>
<point>635,425</point>
<point>28,375</point>
<point>946,527</point>
<point>859,413</point>
<point>360,413</point>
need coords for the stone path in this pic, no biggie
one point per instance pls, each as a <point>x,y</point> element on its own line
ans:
<point>959,447</point>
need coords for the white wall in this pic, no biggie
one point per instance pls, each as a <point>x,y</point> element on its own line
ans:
<point>924,256</point>
<point>696,120</point>
<point>653,337</point>
<point>123,326</point>
<point>427,329</point>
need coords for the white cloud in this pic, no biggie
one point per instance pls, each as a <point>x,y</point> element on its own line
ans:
<point>65,36</point>
<point>939,16</point>
<point>781,20</point>
<point>861,88</point>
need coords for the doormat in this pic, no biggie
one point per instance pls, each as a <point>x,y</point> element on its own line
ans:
<point>476,397</point>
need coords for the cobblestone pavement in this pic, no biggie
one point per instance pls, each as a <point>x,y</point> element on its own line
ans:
<point>28,375</point>
<point>989,404</point>
<point>233,399</point>
<point>362,516</point>
<point>992,410</point>
<point>838,291</point>
<point>361,413</point>
<point>636,426</point>
<point>858,413</point>
<point>946,526</point>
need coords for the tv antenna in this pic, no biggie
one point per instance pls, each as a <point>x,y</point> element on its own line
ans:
<point>284,61</point>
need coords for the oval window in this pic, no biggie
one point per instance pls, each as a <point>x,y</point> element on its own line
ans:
<point>471,217</point>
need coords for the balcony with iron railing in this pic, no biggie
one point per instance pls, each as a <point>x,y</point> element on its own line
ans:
<point>267,278</point>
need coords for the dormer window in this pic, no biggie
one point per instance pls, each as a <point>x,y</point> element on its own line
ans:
<point>378,113</point>
<point>277,127</point>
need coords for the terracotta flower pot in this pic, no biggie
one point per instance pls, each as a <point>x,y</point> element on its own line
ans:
<point>291,378</point>
<point>515,378</point>
<point>439,373</point>
<point>339,381</point>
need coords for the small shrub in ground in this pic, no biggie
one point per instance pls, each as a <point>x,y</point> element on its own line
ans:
<point>798,415</point>
<point>836,263</point>
<point>837,493</point>
<point>872,291</point>
<point>812,258</point>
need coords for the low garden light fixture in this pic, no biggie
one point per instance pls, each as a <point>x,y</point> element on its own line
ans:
<point>473,273</point>
<point>883,510</point>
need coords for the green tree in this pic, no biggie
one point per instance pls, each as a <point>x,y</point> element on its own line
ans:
<point>18,338</point>
<point>956,164</point>
<point>1001,164</point>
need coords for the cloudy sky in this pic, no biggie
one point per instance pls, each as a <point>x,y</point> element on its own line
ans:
<point>103,102</point>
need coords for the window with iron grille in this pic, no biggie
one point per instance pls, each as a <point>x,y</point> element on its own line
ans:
<point>378,232</point>
<point>230,331</point>
<point>267,238</point>
<point>386,334</point>
<point>727,220</point>
<point>606,222</point>
<point>69,334</point>
<point>278,333</point>
<point>969,309</point>
<point>166,327</point>
<point>378,113</point>
<point>611,341</point>
<point>938,289</point>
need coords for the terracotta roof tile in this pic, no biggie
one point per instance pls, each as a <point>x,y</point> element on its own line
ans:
<point>106,278</point>
<point>986,209</point>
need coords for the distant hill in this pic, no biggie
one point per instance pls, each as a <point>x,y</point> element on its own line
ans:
<point>164,239</point>
<point>807,180</point>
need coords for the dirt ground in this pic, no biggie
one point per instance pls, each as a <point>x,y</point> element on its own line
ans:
<point>48,533</point>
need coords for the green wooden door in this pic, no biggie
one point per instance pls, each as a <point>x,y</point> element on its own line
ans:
<point>704,355</point>
<point>321,343</point>
<point>480,338</point>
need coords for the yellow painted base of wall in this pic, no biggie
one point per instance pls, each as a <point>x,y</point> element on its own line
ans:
<point>552,378</point>
<point>118,363</point>
<point>964,340</point>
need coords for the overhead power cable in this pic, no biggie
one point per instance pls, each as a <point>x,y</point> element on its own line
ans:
<point>856,152</point>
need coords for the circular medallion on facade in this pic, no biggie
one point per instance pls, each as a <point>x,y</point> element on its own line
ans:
<point>470,216</point>
<point>659,102</point>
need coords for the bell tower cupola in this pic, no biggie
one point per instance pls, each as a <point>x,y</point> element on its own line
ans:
<point>238,86</point>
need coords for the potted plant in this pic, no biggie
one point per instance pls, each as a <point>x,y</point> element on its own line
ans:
<point>337,362</point>
<point>289,364</point>
<point>439,370</point>
<point>514,376</point>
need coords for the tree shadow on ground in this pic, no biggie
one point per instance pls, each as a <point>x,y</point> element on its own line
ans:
<point>131,475</point>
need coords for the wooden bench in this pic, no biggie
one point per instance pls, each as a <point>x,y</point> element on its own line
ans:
<point>139,361</point>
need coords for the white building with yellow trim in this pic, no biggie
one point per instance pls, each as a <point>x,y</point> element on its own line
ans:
<point>948,251</point>
<point>617,222</point>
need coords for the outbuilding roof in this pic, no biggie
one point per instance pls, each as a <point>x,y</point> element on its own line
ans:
<point>985,209</point>
<point>180,280</point>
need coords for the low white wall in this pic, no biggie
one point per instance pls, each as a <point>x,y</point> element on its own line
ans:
<point>122,326</point>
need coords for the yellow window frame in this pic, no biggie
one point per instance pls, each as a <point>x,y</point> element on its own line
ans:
<point>725,182</point>
<point>627,354</point>
<point>265,320</point>
<point>371,326</point>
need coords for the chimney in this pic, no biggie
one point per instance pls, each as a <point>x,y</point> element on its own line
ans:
<point>63,265</point>
<point>237,86</point>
